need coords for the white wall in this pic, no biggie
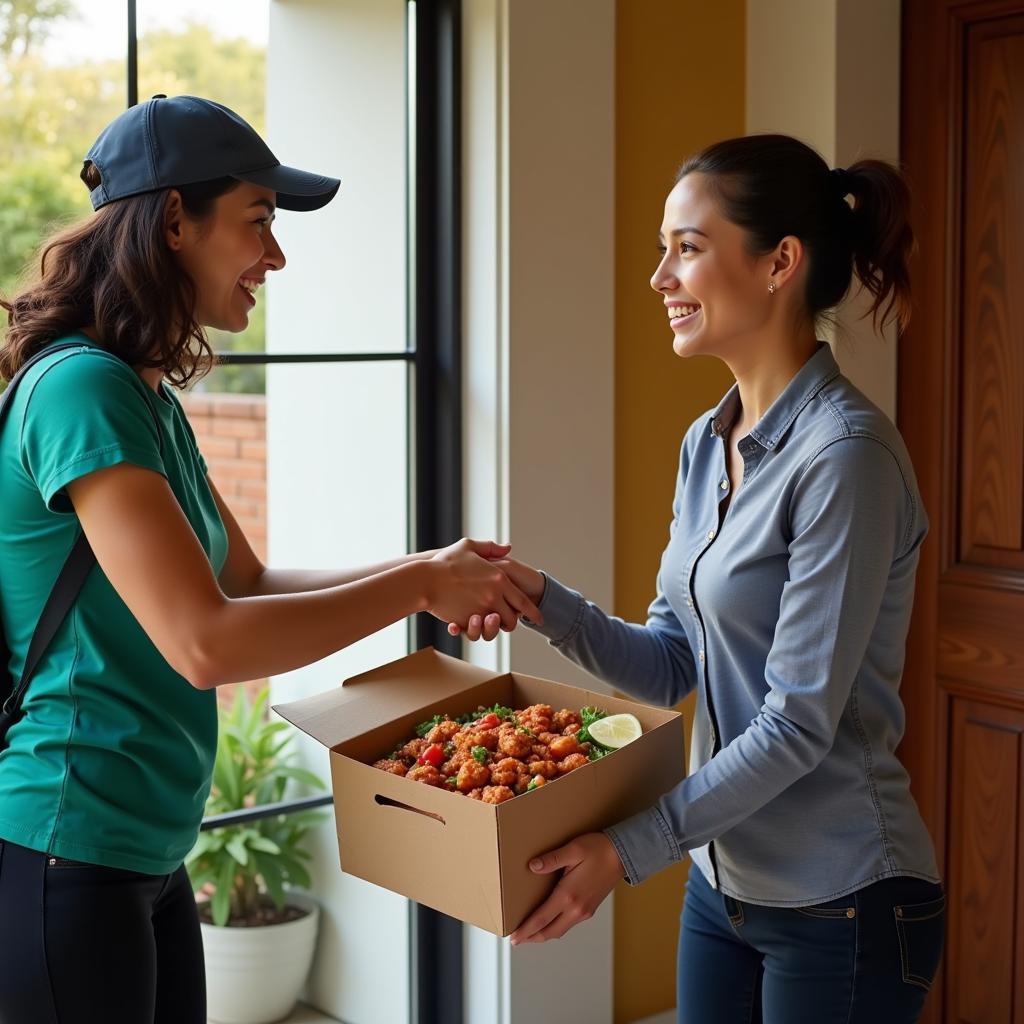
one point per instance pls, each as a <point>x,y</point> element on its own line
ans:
<point>336,434</point>
<point>539,389</point>
<point>539,106</point>
<point>828,72</point>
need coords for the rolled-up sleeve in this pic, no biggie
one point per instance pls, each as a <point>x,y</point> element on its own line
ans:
<point>851,520</point>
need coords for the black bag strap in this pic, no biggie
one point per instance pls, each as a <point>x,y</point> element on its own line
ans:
<point>72,575</point>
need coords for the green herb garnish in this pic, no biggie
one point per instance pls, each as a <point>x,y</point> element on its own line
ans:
<point>479,754</point>
<point>588,716</point>
<point>424,727</point>
<point>496,709</point>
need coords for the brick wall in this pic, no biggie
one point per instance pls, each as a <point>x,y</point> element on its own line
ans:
<point>232,435</point>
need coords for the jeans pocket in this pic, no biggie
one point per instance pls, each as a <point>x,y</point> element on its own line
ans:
<point>921,931</point>
<point>842,908</point>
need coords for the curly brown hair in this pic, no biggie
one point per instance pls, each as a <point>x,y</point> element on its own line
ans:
<point>115,274</point>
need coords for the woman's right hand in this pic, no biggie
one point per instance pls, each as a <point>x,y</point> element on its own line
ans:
<point>529,580</point>
<point>466,581</point>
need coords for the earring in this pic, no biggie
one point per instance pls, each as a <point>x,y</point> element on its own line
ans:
<point>771,287</point>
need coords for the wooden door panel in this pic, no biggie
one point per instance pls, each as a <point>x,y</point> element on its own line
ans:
<point>985,772</point>
<point>991,355</point>
<point>961,412</point>
<point>981,637</point>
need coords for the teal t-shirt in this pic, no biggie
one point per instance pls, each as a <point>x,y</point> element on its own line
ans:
<point>112,760</point>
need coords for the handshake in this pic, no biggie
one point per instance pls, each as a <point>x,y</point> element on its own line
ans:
<point>479,590</point>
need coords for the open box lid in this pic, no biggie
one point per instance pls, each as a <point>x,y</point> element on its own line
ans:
<point>381,695</point>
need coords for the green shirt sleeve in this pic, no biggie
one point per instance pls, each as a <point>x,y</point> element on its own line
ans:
<point>187,426</point>
<point>86,411</point>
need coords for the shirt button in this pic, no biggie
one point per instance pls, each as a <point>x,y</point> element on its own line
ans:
<point>711,534</point>
<point>689,602</point>
<point>724,485</point>
<point>701,656</point>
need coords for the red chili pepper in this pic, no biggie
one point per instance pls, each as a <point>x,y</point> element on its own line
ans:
<point>488,721</point>
<point>433,755</point>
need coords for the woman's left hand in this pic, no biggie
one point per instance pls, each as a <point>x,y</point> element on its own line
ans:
<point>590,867</point>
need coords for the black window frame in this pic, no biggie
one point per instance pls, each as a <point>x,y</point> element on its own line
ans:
<point>434,450</point>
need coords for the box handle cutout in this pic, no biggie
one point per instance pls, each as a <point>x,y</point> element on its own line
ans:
<point>386,801</point>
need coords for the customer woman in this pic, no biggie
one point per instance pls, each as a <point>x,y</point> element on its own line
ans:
<point>104,776</point>
<point>783,599</point>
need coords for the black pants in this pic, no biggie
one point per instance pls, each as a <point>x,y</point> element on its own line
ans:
<point>84,944</point>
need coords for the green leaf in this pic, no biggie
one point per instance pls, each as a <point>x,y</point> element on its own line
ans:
<point>237,848</point>
<point>263,844</point>
<point>301,775</point>
<point>588,716</point>
<point>479,754</point>
<point>270,872</point>
<point>220,905</point>
<point>206,842</point>
<point>295,870</point>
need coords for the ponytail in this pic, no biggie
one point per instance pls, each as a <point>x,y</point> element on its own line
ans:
<point>882,239</point>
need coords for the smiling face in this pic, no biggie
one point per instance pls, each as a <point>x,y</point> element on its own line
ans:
<point>716,291</point>
<point>227,254</point>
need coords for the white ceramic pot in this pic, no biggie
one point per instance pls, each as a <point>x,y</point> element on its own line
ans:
<point>254,975</point>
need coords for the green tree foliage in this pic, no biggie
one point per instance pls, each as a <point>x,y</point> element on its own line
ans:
<point>24,24</point>
<point>50,114</point>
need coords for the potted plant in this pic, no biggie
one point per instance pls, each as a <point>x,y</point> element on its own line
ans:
<point>259,933</point>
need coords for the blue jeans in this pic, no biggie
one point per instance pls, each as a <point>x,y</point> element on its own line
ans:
<point>866,958</point>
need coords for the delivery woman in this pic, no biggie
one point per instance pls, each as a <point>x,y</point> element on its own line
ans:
<point>104,776</point>
<point>783,599</point>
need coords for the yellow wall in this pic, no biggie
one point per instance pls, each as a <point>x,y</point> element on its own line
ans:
<point>680,85</point>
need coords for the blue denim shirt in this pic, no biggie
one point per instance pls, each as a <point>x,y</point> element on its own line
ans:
<point>788,614</point>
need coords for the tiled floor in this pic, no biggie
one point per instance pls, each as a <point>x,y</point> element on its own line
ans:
<point>307,1015</point>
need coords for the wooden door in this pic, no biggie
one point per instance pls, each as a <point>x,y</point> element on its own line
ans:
<point>961,410</point>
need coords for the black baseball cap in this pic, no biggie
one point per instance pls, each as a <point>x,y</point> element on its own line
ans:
<point>179,140</point>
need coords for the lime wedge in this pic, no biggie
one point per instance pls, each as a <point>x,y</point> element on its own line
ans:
<point>616,730</point>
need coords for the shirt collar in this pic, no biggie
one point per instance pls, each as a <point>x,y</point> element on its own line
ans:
<point>818,371</point>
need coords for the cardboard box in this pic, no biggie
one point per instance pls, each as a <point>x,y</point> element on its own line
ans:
<point>466,858</point>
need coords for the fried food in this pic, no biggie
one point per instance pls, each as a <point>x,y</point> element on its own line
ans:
<point>497,753</point>
<point>562,720</point>
<point>513,743</point>
<point>562,746</point>
<point>472,775</point>
<point>496,794</point>
<point>426,773</point>
<point>505,771</point>
<point>412,749</point>
<point>572,762</point>
<point>444,731</point>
